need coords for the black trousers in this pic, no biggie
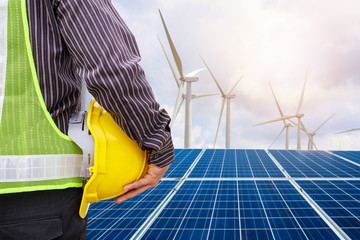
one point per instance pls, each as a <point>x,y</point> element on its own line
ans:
<point>42,215</point>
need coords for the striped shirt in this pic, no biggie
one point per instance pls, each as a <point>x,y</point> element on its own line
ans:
<point>87,40</point>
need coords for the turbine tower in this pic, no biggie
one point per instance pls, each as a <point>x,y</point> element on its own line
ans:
<point>180,81</point>
<point>286,124</point>
<point>226,98</point>
<point>313,133</point>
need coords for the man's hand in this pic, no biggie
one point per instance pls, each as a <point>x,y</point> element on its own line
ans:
<point>151,179</point>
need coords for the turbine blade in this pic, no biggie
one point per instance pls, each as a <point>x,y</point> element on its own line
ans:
<point>173,49</point>
<point>293,122</point>
<point>178,101</point>
<point>171,67</point>
<point>232,89</point>
<point>218,126</point>
<point>323,123</point>
<point>307,133</point>
<point>202,95</point>
<point>350,130</point>
<point>195,72</point>
<point>302,96</point>
<point>278,136</point>
<point>277,103</point>
<point>178,110</point>
<point>275,120</point>
<point>213,76</point>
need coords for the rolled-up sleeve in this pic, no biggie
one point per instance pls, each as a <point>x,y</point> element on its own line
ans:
<point>105,54</point>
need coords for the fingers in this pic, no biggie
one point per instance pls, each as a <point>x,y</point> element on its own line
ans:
<point>134,189</point>
<point>140,183</point>
<point>151,179</point>
<point>131,194</point>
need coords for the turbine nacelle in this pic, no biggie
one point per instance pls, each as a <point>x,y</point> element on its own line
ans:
<point>299,115</point>
<point>190,79</point>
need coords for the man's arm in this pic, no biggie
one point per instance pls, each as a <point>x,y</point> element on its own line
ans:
<point>105,54</point>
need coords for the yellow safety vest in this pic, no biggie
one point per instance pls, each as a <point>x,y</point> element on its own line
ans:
<point>34,153</point>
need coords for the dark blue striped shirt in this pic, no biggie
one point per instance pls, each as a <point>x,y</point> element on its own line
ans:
<point>75,40</point>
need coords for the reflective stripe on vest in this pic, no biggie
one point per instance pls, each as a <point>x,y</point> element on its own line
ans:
<point>34,153</point>
<point>39,167</point>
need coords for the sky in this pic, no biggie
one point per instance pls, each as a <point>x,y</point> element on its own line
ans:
<point>269,41</point>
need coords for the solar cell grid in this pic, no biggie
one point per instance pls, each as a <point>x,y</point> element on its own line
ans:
<point>209,164</point>
<point>108,220</point>
<point>269,165</point>
<point>343,166</point>
<point>183,160</point>
<point>235,164</point>
<point>229,164</point>
<point>340,200</point>
<point>238,210</point>
<point>260,163</point>
<point>351,155</point>
<point>315,164</point>
<point>256,168</point>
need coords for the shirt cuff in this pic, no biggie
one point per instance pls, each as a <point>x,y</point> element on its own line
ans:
<point>164,156</point>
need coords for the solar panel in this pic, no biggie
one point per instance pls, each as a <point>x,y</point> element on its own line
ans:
<point>340,200</point>
<point>261,164</point>
<point>183,160</point>
<point>240,194</point>
<point>235,163</point>
<point>315,164</point>
<point>238,210</point>
<point>107,220</point>
<point>350,155</point>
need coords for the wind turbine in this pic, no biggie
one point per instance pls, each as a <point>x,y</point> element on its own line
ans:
<point>180,81</point>
<point>313,133</point>
<point>286,124</point>
<point>298,115</point>
<point>226,98</point>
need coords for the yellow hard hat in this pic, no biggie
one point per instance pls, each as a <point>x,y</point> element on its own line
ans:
<point>118,160</point>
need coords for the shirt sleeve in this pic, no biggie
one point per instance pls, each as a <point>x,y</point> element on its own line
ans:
<point>105,54</point>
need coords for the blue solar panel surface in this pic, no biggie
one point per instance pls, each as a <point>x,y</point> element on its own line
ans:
<point>107,220</point>
<point>183,160</point>
<point>315,164</point>
<point>238,210</point>
<point>350,155</point>
<point>235,164</point>
<point>340,200</point>
<point>239,194</point>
